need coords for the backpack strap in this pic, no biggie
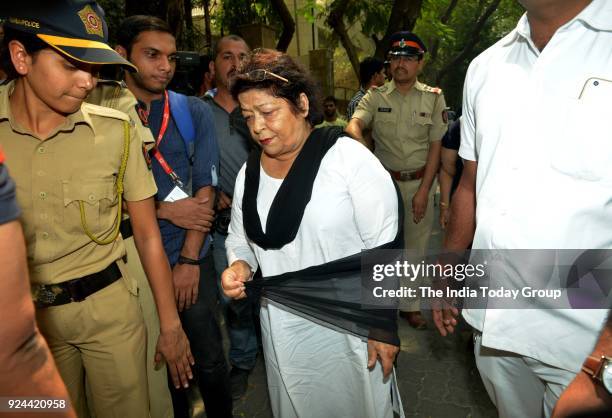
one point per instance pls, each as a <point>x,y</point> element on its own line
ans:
<point>179,109</point>
<point>181,114</point>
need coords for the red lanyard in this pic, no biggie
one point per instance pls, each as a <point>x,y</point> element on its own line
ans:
<point>162,130</point>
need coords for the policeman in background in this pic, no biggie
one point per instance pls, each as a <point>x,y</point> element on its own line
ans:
<point>408,120</point>
<point>75,164</point>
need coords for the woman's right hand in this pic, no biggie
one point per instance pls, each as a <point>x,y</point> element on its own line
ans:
<point>233,278</point>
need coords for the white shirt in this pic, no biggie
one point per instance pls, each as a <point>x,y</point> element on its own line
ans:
<point>538,124</point>
<point>353,207</point>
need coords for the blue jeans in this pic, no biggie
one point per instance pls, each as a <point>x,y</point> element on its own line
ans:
<point>239,315</point>
<point>210,370</point>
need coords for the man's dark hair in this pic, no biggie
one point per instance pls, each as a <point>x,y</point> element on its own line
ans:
<point>330,99</point>
<point>215,47</point>
<point>133,26</point>
<point>367,68</point>
<point>31,42</point>
<point>300,81</point>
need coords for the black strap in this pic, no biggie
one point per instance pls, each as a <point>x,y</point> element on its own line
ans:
<point>290,202</point>
<point>75,290</point>
<point>332,292</point>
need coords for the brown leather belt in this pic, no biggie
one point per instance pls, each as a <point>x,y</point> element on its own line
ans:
<point>75,290</point>
<point>407,175</point>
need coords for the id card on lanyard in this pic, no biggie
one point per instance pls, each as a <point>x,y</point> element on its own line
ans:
<point>178,192</point>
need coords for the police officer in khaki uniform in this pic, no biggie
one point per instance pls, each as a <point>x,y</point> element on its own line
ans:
<point>408,120</point>
<point>116,95</point>
<point>74,165</point>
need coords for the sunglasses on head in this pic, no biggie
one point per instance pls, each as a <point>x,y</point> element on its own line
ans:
<point>261,75</point>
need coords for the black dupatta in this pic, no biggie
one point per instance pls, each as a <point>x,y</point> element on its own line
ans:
<point>331,292</point>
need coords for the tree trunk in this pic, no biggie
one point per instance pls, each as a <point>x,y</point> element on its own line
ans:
<point>288,24</point>
<point>175,15</point>
<point>404,15</point>
<point>335,20</point>
<point>207,31</point>
<point>189,32</point>
<point>472,41</point>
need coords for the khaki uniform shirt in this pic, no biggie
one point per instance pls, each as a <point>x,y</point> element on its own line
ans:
<point>403,126</point>
<point>79,162</point>
<point>116,95</point>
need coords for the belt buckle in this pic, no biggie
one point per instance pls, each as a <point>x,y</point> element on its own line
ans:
<point>44,295</point>
<point>405,175</point>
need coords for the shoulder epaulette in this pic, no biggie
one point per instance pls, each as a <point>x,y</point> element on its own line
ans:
<point>435,90</point>
<point>95,110</point>
<point>381,89</point>
<point>114,83</point>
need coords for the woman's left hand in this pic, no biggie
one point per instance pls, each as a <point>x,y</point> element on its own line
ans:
<point>385,352</point>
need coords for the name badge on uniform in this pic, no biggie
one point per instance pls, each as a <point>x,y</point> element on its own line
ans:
<point>385,109</point>
<point>176,194</point>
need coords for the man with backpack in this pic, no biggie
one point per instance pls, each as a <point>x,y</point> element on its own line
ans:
<point>184,164</point>
<point>235,143</point>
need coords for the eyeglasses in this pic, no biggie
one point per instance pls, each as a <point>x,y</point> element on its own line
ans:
<point>261,75</point>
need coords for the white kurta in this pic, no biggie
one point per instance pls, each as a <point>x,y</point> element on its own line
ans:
<point>313,370</point>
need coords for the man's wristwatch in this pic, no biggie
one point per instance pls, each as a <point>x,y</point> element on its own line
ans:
<point>186,260</point>
<point>600,369</point>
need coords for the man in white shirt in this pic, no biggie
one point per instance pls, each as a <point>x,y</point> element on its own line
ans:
<point>538,175</point>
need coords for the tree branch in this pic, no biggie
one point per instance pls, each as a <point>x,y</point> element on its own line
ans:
<point>472,41</point>
<point>288,24</point>
<point>444,19</point>
<point>335,20</point>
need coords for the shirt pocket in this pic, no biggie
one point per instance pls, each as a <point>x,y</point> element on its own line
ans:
<point>99,201</point>
<point>420,131</point>
<point>582,147</point>
<point>385,126</point>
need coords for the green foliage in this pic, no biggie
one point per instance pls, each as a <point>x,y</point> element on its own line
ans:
<point>234,13</point>
<point>374,15</point>
<point>453,36</point>
<point>311,11</point>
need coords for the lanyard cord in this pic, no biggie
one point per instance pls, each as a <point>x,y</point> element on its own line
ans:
<point>122,168</point>
<point>156,152</point>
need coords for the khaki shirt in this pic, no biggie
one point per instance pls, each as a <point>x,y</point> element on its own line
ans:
<point>116,95</point>
<point>403,126</point>
<point>79,162</point>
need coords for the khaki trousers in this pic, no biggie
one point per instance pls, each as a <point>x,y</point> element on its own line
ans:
<point>416,236</point>
<point>160,401</point>
<point>101,339</point>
